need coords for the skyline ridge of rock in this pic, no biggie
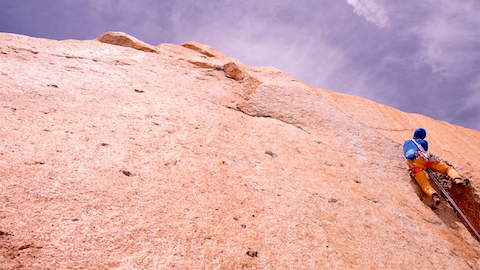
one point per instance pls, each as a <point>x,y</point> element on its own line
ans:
<point>117,154</point>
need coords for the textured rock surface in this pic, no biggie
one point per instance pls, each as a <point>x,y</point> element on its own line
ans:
<point>125,40</point>
<point>112,157</point>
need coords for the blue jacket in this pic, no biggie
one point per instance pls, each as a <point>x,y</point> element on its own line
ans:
<point>410,148</point>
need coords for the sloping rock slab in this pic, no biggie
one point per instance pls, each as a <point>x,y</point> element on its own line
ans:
<point>125,40</point>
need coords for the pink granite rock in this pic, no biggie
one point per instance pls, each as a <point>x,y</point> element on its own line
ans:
<point>125,40</point>
<point>113,158</point>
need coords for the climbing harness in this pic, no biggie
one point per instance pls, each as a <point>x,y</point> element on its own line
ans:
<point>429,158</point>
<point>416,169</point>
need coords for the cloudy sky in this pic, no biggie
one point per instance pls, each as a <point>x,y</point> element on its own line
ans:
<point>416,56</point>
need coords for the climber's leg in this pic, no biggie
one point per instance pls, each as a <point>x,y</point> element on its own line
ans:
<point>444,168</point>
<point>422,181</point>
<point>418,168</point>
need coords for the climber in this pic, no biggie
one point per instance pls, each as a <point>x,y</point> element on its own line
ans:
<point>418,159</point>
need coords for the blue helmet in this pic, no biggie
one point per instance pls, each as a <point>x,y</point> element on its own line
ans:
<point>420,134</point>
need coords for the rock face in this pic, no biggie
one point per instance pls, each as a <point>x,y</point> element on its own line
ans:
<point>122,39</point>
<point>179,157</point>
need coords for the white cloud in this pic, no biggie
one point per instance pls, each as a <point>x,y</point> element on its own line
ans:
<point>449,38</point>
<point>371,11</point>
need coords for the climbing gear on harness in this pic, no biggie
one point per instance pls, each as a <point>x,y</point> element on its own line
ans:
<point>433,158</point>
<point>436,201</point>
<point>461,182</point>
<point>421,152</point>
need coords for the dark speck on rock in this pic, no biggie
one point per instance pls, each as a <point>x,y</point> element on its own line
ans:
<point>252,253</point>
<point>127,173</point>
<point>268,152</point>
